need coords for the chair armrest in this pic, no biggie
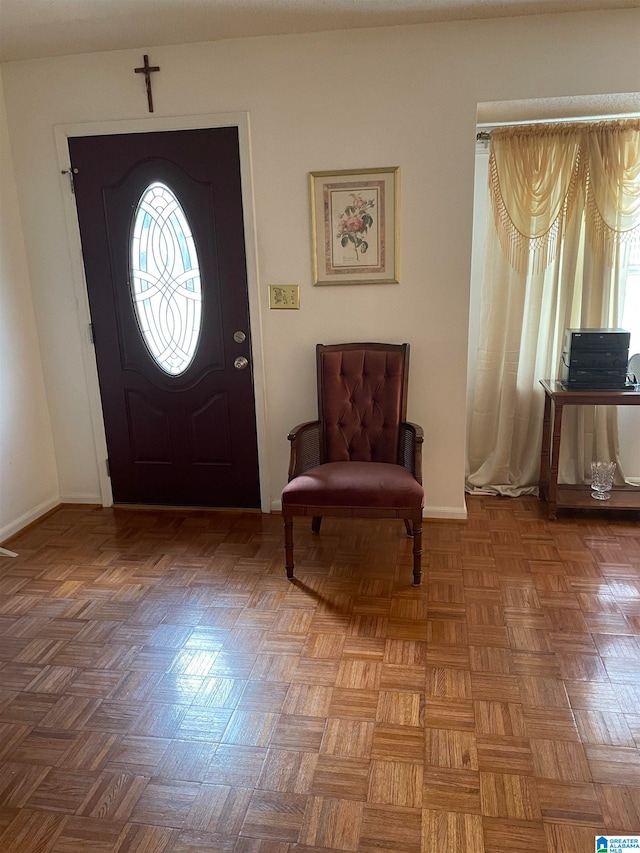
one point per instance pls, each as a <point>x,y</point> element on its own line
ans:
<point>305,448</point>
<point>410,448</point>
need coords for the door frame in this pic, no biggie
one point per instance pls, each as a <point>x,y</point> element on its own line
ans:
<point>240,120</point>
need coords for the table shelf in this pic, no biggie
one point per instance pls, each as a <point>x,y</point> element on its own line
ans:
<point>562,496</point>
<point>579,497</point>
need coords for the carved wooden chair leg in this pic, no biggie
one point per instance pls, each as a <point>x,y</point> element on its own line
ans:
<point>407,524</point>
<point>316,521</point>
<point>417,551</point>
<point>288,545</point>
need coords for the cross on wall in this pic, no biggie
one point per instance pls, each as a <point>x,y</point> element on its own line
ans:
<point>147,70</point>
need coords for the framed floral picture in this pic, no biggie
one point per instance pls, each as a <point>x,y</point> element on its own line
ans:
<point>355,226</point>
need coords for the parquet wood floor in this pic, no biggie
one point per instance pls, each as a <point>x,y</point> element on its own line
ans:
<point>165,689</point>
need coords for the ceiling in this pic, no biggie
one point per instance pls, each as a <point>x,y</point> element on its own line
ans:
<point>30,29</point>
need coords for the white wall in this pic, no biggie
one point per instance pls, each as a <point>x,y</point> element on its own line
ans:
<point>28,477</point>
<point>404,96</point>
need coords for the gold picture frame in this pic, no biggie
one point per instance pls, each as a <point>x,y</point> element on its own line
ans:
<point>355,224</point>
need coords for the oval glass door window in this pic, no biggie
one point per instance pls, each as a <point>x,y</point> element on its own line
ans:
<point>165,279</point>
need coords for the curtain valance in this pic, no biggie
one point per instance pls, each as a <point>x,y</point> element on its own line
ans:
<point>539,173</point>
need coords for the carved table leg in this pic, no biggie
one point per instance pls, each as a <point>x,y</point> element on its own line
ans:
<point>555,460</point>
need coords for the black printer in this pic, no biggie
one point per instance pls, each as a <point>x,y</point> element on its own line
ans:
<point>595,359</point>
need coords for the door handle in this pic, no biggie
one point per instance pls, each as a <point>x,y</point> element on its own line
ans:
<point>240,363</point>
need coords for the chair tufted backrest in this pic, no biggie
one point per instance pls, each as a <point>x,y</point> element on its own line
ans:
<point>361,400</point>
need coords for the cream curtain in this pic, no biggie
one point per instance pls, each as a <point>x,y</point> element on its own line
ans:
<point>565,202</point>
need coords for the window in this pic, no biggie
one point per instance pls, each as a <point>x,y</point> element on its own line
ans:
<point>165,280</point>
<point>564,201</point>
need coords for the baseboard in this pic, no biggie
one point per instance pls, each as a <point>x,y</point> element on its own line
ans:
<point>81,498</point>
<point>450,512</point>
<point>27,518</point>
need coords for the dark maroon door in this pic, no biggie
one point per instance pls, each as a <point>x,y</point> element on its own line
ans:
<point>179,416</point>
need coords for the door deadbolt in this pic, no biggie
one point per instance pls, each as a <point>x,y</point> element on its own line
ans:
<point>240,363</point>
<point>239,337</point>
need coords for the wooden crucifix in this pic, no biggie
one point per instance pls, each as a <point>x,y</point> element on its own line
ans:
<point>147,71</point>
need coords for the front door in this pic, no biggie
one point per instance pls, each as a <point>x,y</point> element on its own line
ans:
<point>161,225</point>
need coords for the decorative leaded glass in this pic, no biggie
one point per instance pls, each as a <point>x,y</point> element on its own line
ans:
<point>165,279</point>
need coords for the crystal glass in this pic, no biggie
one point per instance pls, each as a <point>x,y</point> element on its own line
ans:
<point>602,479</point>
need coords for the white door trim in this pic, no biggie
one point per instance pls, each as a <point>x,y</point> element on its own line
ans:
<point>150,125</point>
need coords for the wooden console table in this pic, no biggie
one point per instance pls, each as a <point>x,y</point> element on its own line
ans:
<point>560,496</point>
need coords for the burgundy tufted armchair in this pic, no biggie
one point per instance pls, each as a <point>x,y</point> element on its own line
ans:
<point>361,458</point>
